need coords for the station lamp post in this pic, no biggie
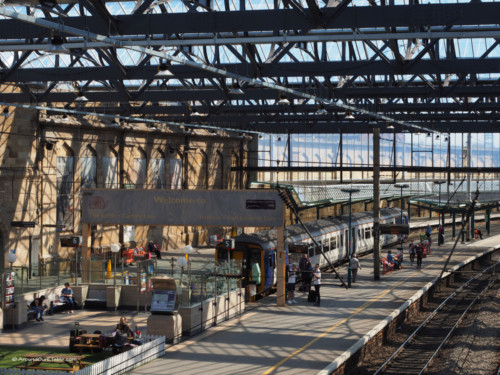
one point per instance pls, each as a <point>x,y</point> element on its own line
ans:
<point>402,186</point>
<point>439,183</point>
<point>349,239</point>
<point>115,248</point>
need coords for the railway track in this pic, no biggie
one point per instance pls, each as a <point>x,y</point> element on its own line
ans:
<point>415,355</point>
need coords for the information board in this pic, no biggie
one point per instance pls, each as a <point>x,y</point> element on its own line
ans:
<point>237,208</point>
<point>163,301</point>
<point>394,229</point>
<point>8,281</point>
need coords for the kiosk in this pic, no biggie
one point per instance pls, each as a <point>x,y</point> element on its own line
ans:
<point>164,319</point>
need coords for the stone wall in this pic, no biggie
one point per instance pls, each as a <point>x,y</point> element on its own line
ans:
<point>43,168</point>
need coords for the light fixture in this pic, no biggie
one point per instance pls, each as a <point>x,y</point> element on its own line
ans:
<point>446,139</point>
<point>283,100</point>
<point>48,3</point>
<point>114,124</point>
<point>81,97</point>
<point>349,116</point>
<point>56,46</point>
<point>390,127</point>
<point>163,71</point>
<point>236,89</point>
<point>437,136</point>
<point>5,112</point>
<point>195,113</point>
<point>321,110</point>
<point>429,135</point>
<point>279,139</point>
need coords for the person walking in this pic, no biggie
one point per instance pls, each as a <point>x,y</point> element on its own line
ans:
<point>428,232</point>
<point>316,282</point>
<point>441,236</point>
<point>290,286</point>
<point>412,252</point>
<point>420,255</point>
<point>355,265</point>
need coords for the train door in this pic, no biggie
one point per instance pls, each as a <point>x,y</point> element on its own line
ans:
<point>354,232</point>
<point>256,267</point>
<point>346,243</point>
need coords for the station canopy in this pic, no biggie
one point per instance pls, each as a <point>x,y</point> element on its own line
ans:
<point>291,66</point>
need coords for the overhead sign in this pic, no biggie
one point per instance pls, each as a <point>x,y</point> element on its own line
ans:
<point>261,204</point>
<point>71,241</point>
<point>237,208</point>
<point>394,229</point>
<point>22,224</point>
<point>228,243</point>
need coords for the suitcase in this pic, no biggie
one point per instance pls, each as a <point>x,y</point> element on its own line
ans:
<point>311,297</point>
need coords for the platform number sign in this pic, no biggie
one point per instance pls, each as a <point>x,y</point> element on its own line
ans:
<point>228,243</point>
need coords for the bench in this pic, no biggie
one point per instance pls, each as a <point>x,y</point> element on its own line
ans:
<point>131,255</point>
<point>90,347</point>
<point>46,368</point>
<point>96,299</point>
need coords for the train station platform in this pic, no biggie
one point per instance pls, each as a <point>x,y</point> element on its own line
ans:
<point>307,339</point>
<point>267,339</point>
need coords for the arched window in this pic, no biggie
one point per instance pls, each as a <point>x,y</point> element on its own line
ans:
<point>110,170</point>
<point>158,180</point>
<point>88,168</point>
<point>140,170</point>
<point>64,188</point>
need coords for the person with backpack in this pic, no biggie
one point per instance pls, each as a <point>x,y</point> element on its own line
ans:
<point>39,307</point>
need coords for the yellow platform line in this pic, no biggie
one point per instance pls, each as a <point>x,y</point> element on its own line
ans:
<point>346,319</point>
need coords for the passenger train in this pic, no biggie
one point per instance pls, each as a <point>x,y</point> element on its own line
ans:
<point>257,251</point>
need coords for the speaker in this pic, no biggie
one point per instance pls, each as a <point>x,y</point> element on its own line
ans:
<point>49,146</point>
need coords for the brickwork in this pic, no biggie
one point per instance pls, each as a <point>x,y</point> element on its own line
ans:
<point>33,143</point>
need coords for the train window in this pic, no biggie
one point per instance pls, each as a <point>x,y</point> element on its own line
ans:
<point>341,239</point>
<point>367,233</point>
<point>326,245</point>
<point>333,243</point>
<point>311,250</point>
<point>359,234</point>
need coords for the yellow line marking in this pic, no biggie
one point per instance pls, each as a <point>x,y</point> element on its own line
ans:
<point>346,319</point>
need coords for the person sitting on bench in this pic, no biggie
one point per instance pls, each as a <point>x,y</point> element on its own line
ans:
<point>391,259</point>
<point>122,333</point>
<point>67,293</point>
<point>153,248</point>
<point>39,307</point>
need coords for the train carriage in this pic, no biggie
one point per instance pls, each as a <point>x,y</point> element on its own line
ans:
<point>257,251</point>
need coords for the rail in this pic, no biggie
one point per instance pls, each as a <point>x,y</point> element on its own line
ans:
<point>433,314</point>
